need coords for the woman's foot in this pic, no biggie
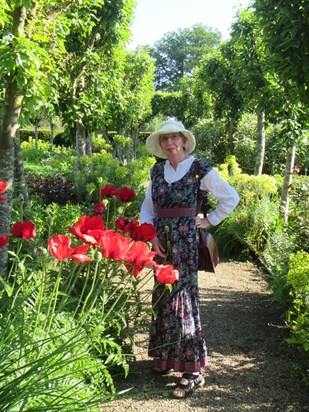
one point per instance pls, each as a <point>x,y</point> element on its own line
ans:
<point>187,385</point>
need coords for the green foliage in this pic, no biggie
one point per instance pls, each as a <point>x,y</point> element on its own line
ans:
<point>228,241</point>
<point>253,224</point>
<point>218,76</point>
<point>179,52</point>
<point>44,162</point>
<point>298,272</point>
<point>298,313</point>
<point>211,140</point>
<point>275,255</point>
<point>285,35</point>
<point>257,215</point>
<point>44,135</point>
<point>49,218</point>
<point>253,188</point>
<point>245,142</point>
<point>299,210</point>
<point>254,79</point>
<point>168,104</point>
<point>65,326</point>
<point>256,225</point>
<point>47,353</point>
<point>105,168</point>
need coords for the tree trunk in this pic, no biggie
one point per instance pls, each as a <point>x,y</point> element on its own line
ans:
<point>52,134</point>
<point>261,139</point>
<point>19,178</point>
<point>80,141</point>
<point>12,104</point>
<point>285,197</point>
<point>134,137</point>
<point>89,143</point>
<point>11,113</point>
<point>232,128</point>
<point>80,152</point>
<point>89,151</point>
<point>36,135</point>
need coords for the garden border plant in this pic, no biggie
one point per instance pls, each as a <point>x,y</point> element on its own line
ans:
<point>66,313</point>
<point>256,230</point>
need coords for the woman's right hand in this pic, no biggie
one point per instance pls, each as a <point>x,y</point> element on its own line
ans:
<point>157,247</point>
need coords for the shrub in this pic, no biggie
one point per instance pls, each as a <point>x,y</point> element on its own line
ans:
<point>245,142</point>
<point>43,134</point>
<point>298,312</point>
<point>46,163</point>
<point>257,215</point>
<point>212,143</point>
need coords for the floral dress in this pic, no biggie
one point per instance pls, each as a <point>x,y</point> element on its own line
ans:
<point>176,339</point>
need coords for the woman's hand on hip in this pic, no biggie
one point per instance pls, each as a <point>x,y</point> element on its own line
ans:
<point>202,222</point>
<point>157,247</point>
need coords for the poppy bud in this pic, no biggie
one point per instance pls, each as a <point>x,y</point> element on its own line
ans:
<point>98,256</point>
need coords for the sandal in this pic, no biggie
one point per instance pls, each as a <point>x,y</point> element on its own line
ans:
<point>187,385</point>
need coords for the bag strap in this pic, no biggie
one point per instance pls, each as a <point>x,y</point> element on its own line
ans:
<point>197,175</point>
<point>202,204</point>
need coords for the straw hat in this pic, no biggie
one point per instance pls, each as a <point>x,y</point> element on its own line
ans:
<point>169,126</point>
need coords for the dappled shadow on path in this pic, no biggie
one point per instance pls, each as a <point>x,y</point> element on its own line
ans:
<point>249,366</point>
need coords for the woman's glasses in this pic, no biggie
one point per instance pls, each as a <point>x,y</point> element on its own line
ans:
<point>166,137</point>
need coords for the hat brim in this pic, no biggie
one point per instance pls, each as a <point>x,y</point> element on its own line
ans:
<point>154,147</point>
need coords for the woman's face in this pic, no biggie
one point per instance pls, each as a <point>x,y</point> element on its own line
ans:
<point>172,143</point>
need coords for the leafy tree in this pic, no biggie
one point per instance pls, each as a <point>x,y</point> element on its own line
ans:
<point>23,63</point>
<point>96,28</point>
<point>286,33</point>
<point>169,104</point>
<point>256,81</point>
<point>35,37</point>
<point>130,98</point>
<point>218,75</point>
<point>178,53</point>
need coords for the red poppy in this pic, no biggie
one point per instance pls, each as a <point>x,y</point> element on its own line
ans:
<point>122,223</point>
<point>115,246</point>
<point>60,247</point>
<point>25,230</point>
<point>125,194</point>
<point>97,235</point>
<point>125,225</point>
<point>109,191</point>
<point>139,256</point>
<point>99,208</point>
<point>86,229</point>
<point>4,240</point>
<point>144,232</point>
<point>3,187</point>
<point>166,274</point>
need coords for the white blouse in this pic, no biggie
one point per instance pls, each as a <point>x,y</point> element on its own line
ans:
<point>227,197</point>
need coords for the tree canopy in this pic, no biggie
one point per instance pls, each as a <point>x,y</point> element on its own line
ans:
<point>285,26</point>
<point>178,53</point>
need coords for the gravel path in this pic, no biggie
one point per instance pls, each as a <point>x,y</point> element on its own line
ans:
<point>249,367</point>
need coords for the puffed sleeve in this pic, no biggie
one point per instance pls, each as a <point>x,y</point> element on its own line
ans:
<point>147,211</point>
<point>227,196</point>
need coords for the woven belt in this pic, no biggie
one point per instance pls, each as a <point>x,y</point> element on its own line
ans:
<point>175,212</point>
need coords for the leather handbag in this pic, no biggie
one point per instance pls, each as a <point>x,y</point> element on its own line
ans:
<point>208,254</point>
<point>207,251</point>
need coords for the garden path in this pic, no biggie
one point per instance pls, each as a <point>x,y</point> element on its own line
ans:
<point>250,369</point>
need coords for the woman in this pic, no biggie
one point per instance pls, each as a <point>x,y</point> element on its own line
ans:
<point>176,341</point>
